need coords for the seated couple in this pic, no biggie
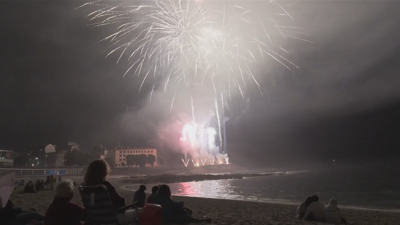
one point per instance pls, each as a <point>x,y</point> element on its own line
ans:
<point>63,212</point>
<point>173,211</point>
<point>313,210</point>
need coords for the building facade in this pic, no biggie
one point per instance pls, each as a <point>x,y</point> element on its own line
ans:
<point>6,158</point>
<point>120,155</point>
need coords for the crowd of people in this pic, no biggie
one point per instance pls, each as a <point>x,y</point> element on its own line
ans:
<point>314,210</point>
<point>63,212</point>
<point>38,185</point>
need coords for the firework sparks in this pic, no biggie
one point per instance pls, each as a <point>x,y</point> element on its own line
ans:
<point>200,141</point>
<point>195,42</point>
<point>190,41</point>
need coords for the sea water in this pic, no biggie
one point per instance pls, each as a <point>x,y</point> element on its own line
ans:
<point>374,187</point>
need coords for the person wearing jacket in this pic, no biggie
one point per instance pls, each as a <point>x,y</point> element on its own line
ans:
<point>62,211</point>
<point>333,214</point>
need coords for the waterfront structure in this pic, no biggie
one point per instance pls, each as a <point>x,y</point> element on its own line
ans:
<point>6,158</point>
<point>121,154</point>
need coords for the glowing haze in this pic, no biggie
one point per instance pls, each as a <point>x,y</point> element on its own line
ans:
<point>179,46</point>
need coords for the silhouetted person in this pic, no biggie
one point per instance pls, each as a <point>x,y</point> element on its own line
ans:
<point>39,185</point>
<point>301,210</point>
<point>96,174</point>
<point>153,191</point>
<point>315,211</point>
<point>140,196</point>
<point>173,212</point>
<point>59,178</point>
<point>48,181</point>
<point>10,214</point>
<point>52,181</point>
<point>30,187</point>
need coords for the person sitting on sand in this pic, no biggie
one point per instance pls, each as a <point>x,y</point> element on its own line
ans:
<point>140,196</point>
<point>96,174</point>
<point>62,211</point>
<point>29,187</point>
<point>39,185</point>
<point>301,210</point>
<point>174,212</point>
<point>315,211</point>
<point>333,213</point>
<point>154,190</point>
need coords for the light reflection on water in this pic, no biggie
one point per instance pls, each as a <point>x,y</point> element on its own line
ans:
<point>243,189</point>
<point>211,189</point>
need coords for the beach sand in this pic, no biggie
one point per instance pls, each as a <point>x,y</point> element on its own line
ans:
<point>222,212</point>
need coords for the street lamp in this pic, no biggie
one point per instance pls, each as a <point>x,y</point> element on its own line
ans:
<point>45,157</point>
<point>30,158</point>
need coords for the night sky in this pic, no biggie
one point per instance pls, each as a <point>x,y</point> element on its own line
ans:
<point>343,102</point>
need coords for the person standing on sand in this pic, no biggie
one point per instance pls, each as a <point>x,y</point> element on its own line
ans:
<point>333,213</point>
<point>62,211</point>
<point>52,181</point>
<point>140,196</point>
<point>315,211</point>
<point>47,181</point>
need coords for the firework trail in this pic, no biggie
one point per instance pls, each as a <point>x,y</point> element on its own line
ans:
<point>196,42</point>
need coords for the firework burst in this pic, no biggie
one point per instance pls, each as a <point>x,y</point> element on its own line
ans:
<point>183,43</point>
<point>188,42</point>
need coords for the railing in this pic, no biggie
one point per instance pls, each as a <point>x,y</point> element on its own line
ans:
<point>26,172</point>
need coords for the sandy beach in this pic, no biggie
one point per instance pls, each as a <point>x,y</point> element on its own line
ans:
<point>222,212</point>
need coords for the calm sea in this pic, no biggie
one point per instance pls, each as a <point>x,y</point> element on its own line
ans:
<point>376,187</point>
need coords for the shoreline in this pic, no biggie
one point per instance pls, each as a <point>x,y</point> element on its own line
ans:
<point>283,202</point>
<point>221,211</point>
<point>122,184</point>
